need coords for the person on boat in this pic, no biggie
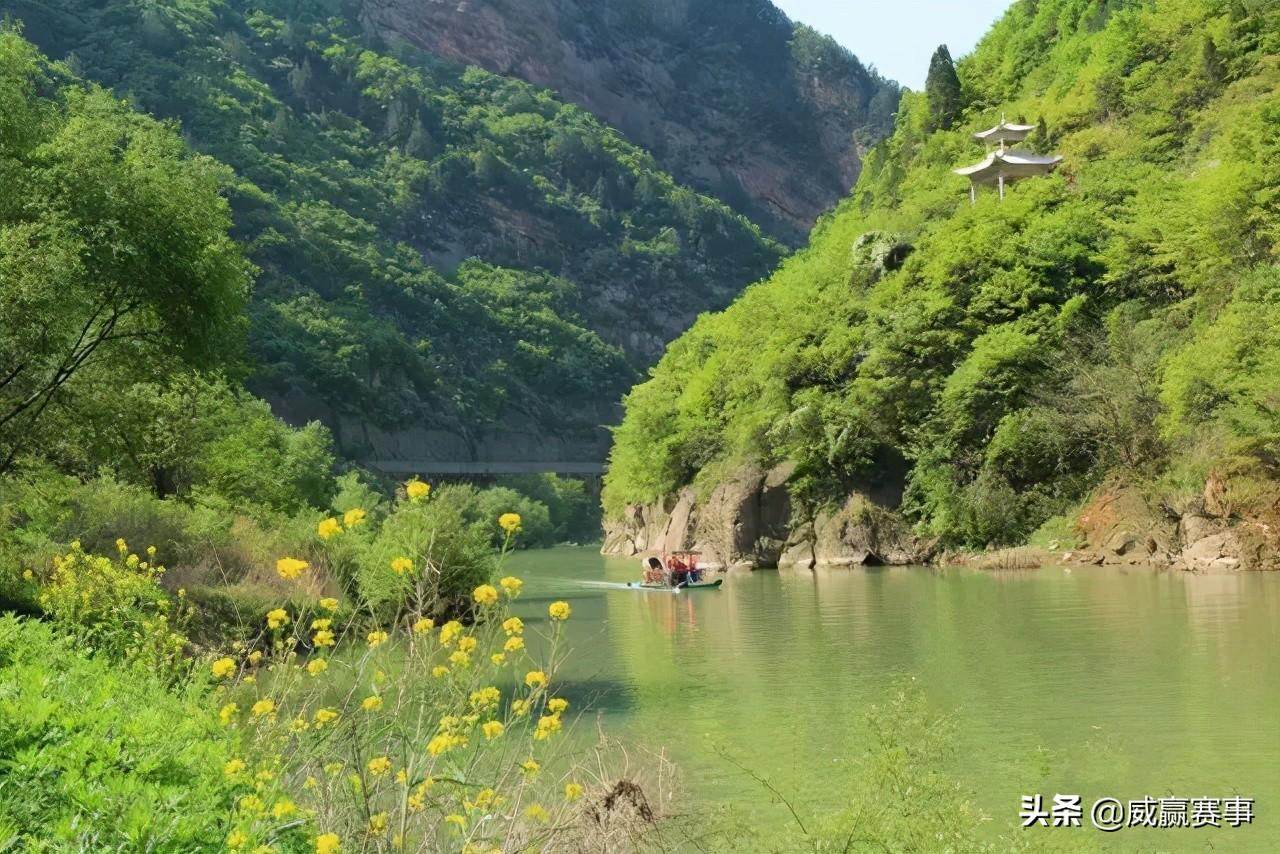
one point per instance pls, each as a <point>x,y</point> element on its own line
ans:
<point>653,571</point>
<point>679,571</point>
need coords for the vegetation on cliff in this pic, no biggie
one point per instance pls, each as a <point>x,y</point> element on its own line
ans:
<point>997,361</point>
<point>433,243</point>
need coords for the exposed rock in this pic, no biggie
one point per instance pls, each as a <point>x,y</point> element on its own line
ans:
<point>750,520</point>
<point>1214,553</point>
<point>732,98</point>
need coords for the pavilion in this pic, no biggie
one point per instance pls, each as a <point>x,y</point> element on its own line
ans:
<point>1004,165</point>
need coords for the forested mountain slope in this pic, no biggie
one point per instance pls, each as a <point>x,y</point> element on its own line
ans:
<point>731,97</point>
<point>1117,321</point>
<point>441,251</point>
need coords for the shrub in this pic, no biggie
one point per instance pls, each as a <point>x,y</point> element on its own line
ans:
<point>102,757</point>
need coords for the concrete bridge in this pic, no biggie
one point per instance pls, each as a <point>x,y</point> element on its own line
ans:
<point>471,468</point>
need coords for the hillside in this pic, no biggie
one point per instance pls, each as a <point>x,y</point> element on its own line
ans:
<point>732,98</point>
<point>453,264</point>
<point>1091,361</point>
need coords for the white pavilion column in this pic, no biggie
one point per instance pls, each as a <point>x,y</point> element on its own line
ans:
<point>1000,184</point>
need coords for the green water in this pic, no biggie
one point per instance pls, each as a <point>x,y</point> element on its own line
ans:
<point>1091,681</point>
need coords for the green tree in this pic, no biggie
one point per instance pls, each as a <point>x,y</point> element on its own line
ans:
<point>114,243</point>
<point>942,86</point>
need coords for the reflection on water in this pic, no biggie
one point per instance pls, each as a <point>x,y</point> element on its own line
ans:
<point>1096,681</point>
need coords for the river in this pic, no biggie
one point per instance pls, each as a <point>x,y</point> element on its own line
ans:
<point>1091,681</point>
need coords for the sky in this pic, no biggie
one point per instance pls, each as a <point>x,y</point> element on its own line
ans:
<point>898,37</point>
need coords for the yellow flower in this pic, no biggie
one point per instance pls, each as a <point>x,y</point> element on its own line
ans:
<point>321,623</point>
<point>377,639</point>
<point>371,703</point>
<point>443,742</point>
<point>485,594</point>
<point>325,716</point>
<point>513,625</point>
<point>233,767</point>
<point>498,658</point>
<point>556,705</point>
<point>559,610</point>
<point>329,603</point>
<point>519,707</point>
<point>466,644</point>
<point>227,713</point>
<point>329,528</point>
<point>535,678</point>
<point>530,766</point>
<point>456,819</point>
<point>317,666</point>
<point>278,618</point>
<point>236,838</point>
<point>485,698</point>
<point>511,585</point>
<point>299,724</point>
<point>439,670</point>
<point>380,765</point>
<point>417,490</point>
<point>378,824</point>
<point>537,813</point>
<point>27,575</point>
<point>265,706</point>
<point>328,843</point>
<point>223,667</point>
<point>513,645</point>
<point>459,658</point>
<point>121,545</point>
<point>401,565</point>
<point>492,729</point>
<point>548,725</point>
<point>333,769</point>
<point>509,522</point>
<point>449,631</point>
<point>283,808</point>
<point>255,657</point>
<point>421,627</point>
<point>151,551</point>
<point>324,637</point>
<point>290,568</point>
<point>572,791</point>
<point>353,518</point>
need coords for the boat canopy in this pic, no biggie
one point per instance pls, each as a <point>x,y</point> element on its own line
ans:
<point>1009,164</point>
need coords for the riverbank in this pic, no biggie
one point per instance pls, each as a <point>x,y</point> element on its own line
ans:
<point>750,519</point>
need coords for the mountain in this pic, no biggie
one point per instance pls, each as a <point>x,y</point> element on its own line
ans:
<point>453,264</point>
<point>1090,362</point>
<point>732,98</point>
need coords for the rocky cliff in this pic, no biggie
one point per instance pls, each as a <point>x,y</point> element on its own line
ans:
<point>750,519</point>
<point>733,98</point>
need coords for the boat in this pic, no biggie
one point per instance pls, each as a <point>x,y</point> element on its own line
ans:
<point>676,573</point>
<point>676,588</point>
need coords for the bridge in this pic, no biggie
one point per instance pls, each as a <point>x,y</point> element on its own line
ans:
<point>472,468</point>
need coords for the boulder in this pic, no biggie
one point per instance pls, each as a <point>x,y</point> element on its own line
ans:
<point>1214,553</point>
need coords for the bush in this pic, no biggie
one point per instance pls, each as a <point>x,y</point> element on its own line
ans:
<point>99,756</point>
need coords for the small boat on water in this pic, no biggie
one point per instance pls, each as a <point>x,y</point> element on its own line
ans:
<point>678,572</point>
<point>676,588</point>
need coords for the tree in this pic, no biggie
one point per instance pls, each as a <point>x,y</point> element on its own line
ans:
<point>114,243</point>
<point>942,86</point>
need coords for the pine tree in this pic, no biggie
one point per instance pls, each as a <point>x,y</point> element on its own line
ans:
<point>942,86</point>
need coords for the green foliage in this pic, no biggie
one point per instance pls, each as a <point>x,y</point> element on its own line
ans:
<point>104,756</point>
<point>366,177</point>
<point>942,87</point>
<point>1012,353</point>
<point>113,244</point>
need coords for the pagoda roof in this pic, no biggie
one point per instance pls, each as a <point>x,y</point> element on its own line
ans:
<point>1011,163</point>
<point>1004,130</point>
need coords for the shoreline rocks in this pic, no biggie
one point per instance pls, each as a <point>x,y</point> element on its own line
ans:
<point>749,520</point>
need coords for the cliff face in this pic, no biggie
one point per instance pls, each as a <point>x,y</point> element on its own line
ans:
<point>733,98</point>
<point>749,519</point>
